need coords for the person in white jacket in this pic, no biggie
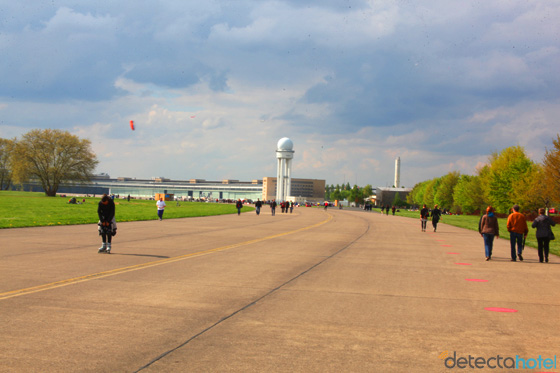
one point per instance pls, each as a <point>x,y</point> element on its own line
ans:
<point>160,207</point>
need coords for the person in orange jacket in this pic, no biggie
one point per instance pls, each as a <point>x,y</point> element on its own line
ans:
<point>517,228</point>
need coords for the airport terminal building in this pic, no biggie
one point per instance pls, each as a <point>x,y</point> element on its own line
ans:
<point>311,190</point>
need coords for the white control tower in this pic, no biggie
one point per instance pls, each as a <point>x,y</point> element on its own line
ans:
<point>284,154</point>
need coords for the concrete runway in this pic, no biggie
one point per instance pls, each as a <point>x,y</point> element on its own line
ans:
<point>312,291</point>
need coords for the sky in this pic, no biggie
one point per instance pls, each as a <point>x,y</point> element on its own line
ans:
<point>213,85</point>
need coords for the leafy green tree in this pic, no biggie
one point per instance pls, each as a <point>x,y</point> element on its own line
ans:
<point>551,170</point>
<point>416,196</point>
<point>468,195</point>
<point>531,192</point>
<point>397,201</point>
<point>367,191</point>
<point>505,170</point>
<point>328,191</point>
<point>431,190</point>
<point>6,149</point>
<point>52,157</point>
<point>336,195</point>
<point>444,194</point>
<point>356,195</point>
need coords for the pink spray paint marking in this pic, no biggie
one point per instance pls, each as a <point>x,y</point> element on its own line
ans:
<point>475,280</point>
<point>463,264</point>
<point>499,309</point>
<point>447,245</point>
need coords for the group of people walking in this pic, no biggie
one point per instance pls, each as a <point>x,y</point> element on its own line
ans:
<point>489,229</point>
<point>517,227</point>
<point>425,215</point>
<point>488,226</point>
<point>388,208</point>
<point>285,206</point>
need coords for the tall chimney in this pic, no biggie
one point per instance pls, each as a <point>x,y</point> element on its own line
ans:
<point>398,172</point>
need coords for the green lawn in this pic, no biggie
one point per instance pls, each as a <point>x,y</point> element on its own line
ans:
<point>471,222</point>
<point>28,209</point>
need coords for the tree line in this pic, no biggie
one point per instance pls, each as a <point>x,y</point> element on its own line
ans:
<point>510,177</point>
<point>345,192</point>
<point>49,157</point>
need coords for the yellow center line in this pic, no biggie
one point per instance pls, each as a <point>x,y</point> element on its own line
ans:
<point>136,267</point>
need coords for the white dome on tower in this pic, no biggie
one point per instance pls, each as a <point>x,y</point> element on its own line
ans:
<point>285,144</point>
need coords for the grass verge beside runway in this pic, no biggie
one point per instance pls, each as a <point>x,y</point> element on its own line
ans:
<point>29,209</point>
<point>471,222</point>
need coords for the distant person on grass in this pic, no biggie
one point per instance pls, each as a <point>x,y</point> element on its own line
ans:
<point>160,208</point>
<point>517,228</point>
<point>544,234</point>
<point>107,225</point>
<point>489,229</point>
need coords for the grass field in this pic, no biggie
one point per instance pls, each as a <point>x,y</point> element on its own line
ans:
<point>471,222</point>
<point>28,209</point>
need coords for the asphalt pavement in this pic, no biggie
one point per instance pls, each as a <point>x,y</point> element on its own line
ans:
<point>312,291</point>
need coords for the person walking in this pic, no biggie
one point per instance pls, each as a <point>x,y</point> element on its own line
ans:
<point>489,229</point>
<point>273,205</point>
<point>258,206</point>
<point>436,215</point>
<point>107,226</point>
<point>517,228</point>
<point>544,233</point>
<point>291,207</point>
<point>160,208</point>
<point>393,210</point>
<point>424,214</point>
<point>239,205</point>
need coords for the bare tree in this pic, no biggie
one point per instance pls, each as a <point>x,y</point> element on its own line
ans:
<point>52,157</point>
<point>6,148</point>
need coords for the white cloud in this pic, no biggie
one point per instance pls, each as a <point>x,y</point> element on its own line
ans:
<point>212,86</point>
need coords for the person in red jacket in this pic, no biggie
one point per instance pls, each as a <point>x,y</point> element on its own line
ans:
<point>517,228</point>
